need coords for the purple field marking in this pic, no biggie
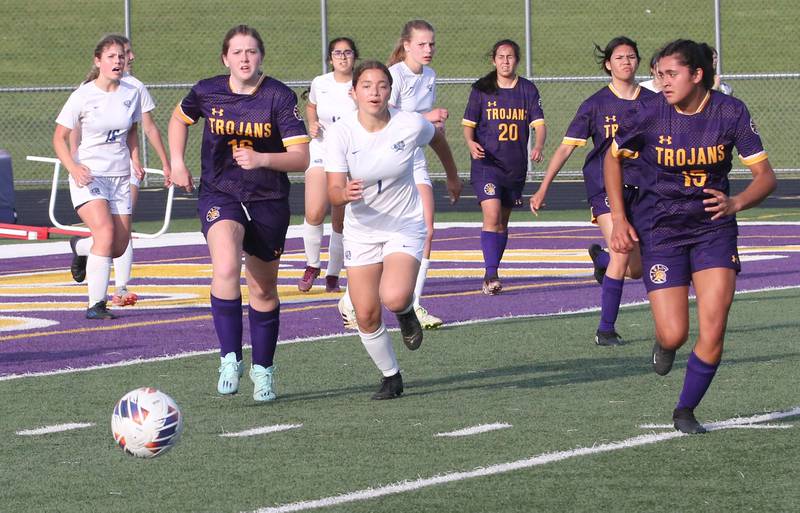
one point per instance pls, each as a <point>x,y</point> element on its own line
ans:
<point>146,333</point>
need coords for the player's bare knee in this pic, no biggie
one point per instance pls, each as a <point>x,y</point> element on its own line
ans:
<point>369,319</point>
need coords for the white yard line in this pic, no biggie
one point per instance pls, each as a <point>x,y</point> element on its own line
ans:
<point>261,430</point>
<point>541,459</point>
<point>474,430</point>
<point>55,428</point>
<point>737,426</point>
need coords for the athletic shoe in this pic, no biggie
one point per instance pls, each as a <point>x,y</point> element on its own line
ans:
<point>332,284</point>
<point>492,286</point>
<point>230,370</point>
<point>684,421</point>
<point>599,272</point>
<point>99,312</point>
<point>662,360</point>
<point>426,320</point>
<point>411,329</point>
<point>78,265</point>
<point>348,315</point>
<point>391,388</point>
<point>307,281</point>
<point>608,338</point>
<point>124,297</point>
<point>264,381</point>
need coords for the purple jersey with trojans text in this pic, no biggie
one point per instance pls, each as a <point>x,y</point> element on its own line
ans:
<point>598,118</point>
<point>266,120</point>
<point>681,155</point>
<point>502,123</point>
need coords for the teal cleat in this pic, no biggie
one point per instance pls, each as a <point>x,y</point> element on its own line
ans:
<point>264,381</point>
<point>230,370</point>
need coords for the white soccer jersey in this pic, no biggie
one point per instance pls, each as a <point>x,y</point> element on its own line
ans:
<point>331,98</point>
<point>412,92</point>
<point>104,119</point>
<point>384,160</point>
<point>145,99</point>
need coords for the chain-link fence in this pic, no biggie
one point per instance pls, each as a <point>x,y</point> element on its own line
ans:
<point>47,48</point>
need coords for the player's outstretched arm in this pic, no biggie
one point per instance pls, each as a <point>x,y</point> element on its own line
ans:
<point>442,149</point>
<point>153,135</point>
<point>623,236</point>
<point>133,147</point>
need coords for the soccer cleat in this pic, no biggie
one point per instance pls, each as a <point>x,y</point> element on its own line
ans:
<point>307,281</point>
<point>662,360</point>
<point>99,312</point>
<point>124,297</point>
<point>684,421</point>
<point>492,286</point>
<point>348,315</point>
<point>426,320</point>
<point>391,388</point>
<point>78,265</point>
<point>411,329</point>
<point>608,338</point>
<point>230,370</point>
<point>332,284</point>
<point>599,272</point>
<point>264,382</point>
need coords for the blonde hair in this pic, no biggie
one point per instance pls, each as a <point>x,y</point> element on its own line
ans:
<point>108,40</point>
<point>399,52</point>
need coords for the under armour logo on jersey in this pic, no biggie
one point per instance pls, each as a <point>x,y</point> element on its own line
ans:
<point>399,146</point>
<point>611,119</point>
<point>658,274</point>
<point>491,104</point>
<point>216,112</point>
<point>664,139</point>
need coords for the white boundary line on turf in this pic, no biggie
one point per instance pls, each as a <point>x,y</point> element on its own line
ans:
<point>55,428</point>
<point>541,459</point>
<point>738,426</point>
<point>261,430</point>
<point>333,336</point>
<point>474,430</point>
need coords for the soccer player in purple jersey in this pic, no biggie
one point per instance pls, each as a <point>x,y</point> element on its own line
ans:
<point>253,136</point>
<point>501,110</point>
<point>685,218</point>
<point>598,118</point>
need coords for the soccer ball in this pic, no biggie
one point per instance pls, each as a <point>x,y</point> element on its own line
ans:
<point>146,422</point>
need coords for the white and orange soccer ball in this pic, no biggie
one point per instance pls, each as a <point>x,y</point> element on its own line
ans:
<point>146,422</point>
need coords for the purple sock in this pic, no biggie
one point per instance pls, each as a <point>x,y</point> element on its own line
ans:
<point>264,335</point>
<point>227,314</point>
<point>698,377</point>
<point>491,252</point>
<point>603,259</point>
<point>610,296</point>
<point>502,241</point>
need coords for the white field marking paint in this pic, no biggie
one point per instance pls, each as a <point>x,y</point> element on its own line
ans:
<point>261,430</point>
<point>742,426</point>
<point>474,430</point>
<point>56,428</point>
<point>334,336</point>
<point>23,323</point>
<point>502,468</point>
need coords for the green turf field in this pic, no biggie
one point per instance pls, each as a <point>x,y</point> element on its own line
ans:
<point>543,376</point>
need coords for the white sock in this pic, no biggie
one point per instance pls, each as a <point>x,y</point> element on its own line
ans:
<point>98,270</point>
<point>335,255</point>
<point>380,349</point>
<point>122,267</point>
<point>312,240</point>
<point>346,299</point>
<point>421,276</point>
<point>84,246</point>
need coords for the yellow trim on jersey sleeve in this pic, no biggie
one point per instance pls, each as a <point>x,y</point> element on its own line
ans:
<point>297,139</point>
<point>183,117</point>
<point>754,159</point>
<point>469,123</point>
<point>573,141</point>
<point>617,152</point>
<point>537,122</point>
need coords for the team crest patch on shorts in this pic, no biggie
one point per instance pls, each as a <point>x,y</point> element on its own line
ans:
<point>212,214</point>
<point>95,191</point>
<point>347,255</point>
<point>606,200</point>
<point>658,274</point>
<point>489,189</point>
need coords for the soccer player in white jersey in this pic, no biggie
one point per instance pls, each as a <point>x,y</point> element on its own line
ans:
<point>328,100</point>
<point>414,90</point>
<point>108,112</point>
<point>369,159</point>
<point>123,263</point>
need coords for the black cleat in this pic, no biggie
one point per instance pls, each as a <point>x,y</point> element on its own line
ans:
<point>684,421</point>
<point>391,388</point>
<point>608,338</point>
<point>411,329</point>
<point>599,272</point>
<point>99,312</point>
<point>662,360</point>
<point>78,265</point>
